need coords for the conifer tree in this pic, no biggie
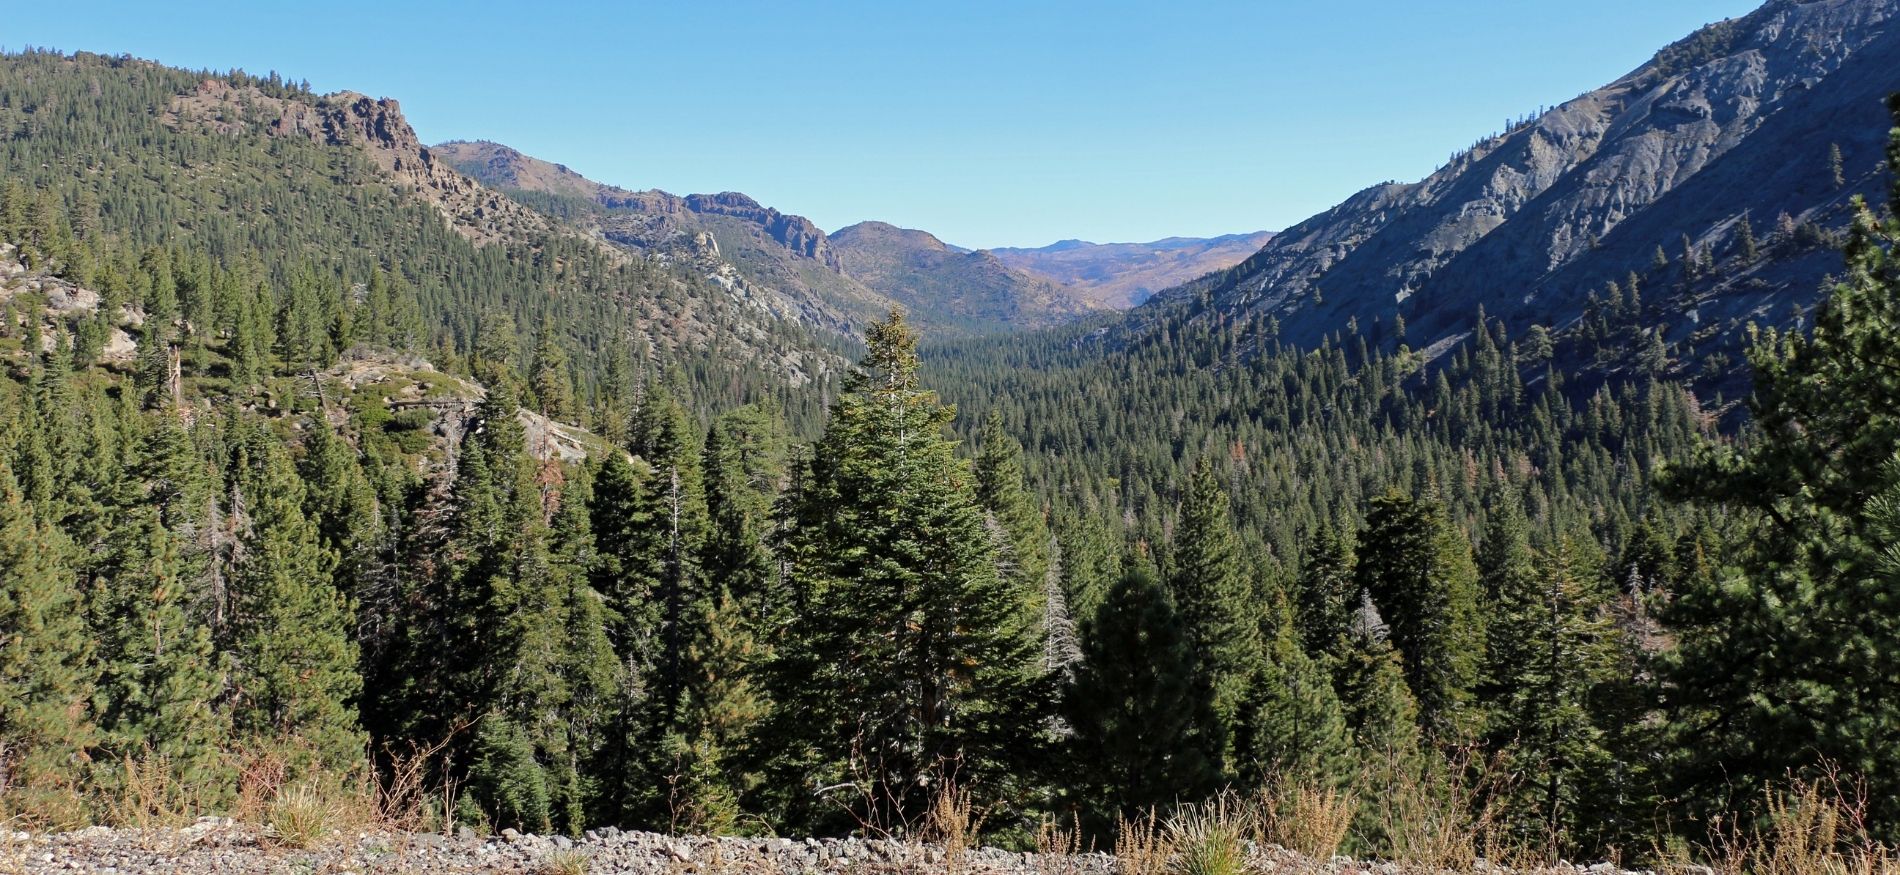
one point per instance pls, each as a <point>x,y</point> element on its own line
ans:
<point>1213,595</point>
<point>999,486</point>
<point>1327,594</point>
<point>1141,725</point>
<point>47,672</point>
<point>1554,633</point>
<point>1786,658</point>
<point>294,661</point>
<point>914,658</point>
<point>1293,728</point>
<point>1418,570</point>
<point>159,676</point>
<point>553,387</point>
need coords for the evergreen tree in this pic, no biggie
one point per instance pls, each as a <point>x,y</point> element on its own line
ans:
<point>1418,569</point>
<point>1214,599</point>
<point>1294,729</point>
<point>1000,489</point>
<point>294,664</point>
<point>1327,594</point>
<point>1555,633</point>
<point>1141,725</point>
<point>47,672</point>
<point>1789,657</point>
<point>159,676</point>
<point>914,658</point>
<point>553,387</point>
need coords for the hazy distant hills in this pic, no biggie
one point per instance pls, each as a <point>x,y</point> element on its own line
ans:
<point>961,287</point>
<point>1648,178</point>
<point>1122,275</point>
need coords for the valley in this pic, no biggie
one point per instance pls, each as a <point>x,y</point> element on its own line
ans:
<point>364,500</point>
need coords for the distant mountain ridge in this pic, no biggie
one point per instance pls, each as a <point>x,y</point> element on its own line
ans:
<point>1733,126</point>
<point>840,281</point>
<point>960,286</point>
<point>1121,275</point>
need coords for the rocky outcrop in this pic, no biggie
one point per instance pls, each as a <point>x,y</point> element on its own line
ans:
<point>376,127</point>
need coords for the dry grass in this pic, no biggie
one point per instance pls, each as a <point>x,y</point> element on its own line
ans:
<point>1211,838</point>
<point>1441,815</point>
<point>302,817</point>
<point>954,823</point>
<point>1142,847</point>
<point>1308,820</point>
<point>145,792</point>
<point>1813,827</point>
<point>566,861</point>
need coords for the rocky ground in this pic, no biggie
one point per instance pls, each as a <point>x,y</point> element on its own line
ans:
<point>216,845</point>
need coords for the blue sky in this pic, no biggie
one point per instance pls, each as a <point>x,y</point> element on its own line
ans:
<point>988,123</point>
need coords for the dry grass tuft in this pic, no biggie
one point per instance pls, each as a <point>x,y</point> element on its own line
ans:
<point>954,823</point>
<point>1142,847</point>
<point>302,817</point>
<point>1312,821</point>
<point>566,861</point>
<point>1813,827</point>
<point>1211,838</point>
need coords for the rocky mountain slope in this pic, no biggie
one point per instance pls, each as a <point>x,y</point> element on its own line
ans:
<point>1708,175</point>
<point>958,286</point>
<point>1121,275</point>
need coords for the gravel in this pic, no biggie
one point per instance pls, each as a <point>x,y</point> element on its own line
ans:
<point>218,845</point>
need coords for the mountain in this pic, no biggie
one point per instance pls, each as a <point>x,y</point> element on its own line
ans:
<point>1121,275</point>
<point>782,260</point>
<point>956,286</point>
<point>1651,179</point>
<point>308,189</point>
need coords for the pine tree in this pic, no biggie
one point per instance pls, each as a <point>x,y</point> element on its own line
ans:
<point>1418,569</point>
<point>1294,728</point>
<point>295,664</point>
<point>1000,489</point>
<point>1555,634</point>
<point>913,657</point>
<point>1141,726</point>
<point>1761,681</point>
<point>1214,599</point>
<point>1327,594</point>
<point>159,670</point>
<point>47,672</point>
<point>553,387</point>
<point>1836,170</point>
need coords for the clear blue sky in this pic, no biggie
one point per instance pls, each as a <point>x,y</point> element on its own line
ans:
<point>989,123</point>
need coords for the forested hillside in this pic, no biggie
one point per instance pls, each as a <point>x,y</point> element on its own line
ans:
<point>328,473</point>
